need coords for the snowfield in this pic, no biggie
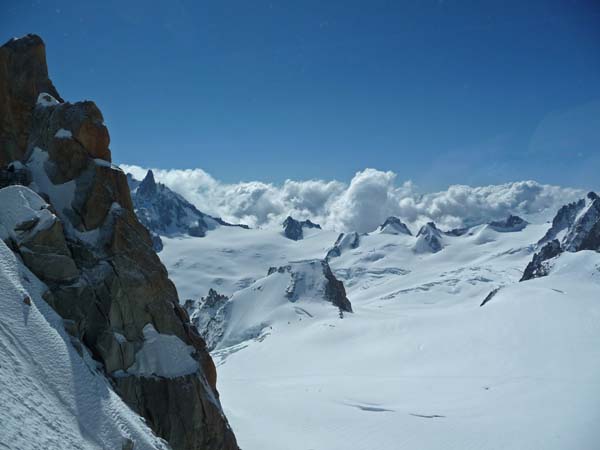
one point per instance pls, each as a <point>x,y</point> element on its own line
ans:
<point>53,398</point>
<point>419,364</point>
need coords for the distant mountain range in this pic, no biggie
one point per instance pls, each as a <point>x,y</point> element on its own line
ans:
<point>166,213</point>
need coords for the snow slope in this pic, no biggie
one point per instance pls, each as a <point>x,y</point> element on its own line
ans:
<point>233,258</point>
<point>52,397</point>
<point>420,364</point>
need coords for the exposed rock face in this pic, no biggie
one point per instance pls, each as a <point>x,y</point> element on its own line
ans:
<point>36,234</point>
<point>539,266</point>
<point>343,242</point>
<point>510,224</point>
<point>575,227</point>
<point>157,243</point>
<point>564,218</point>
<point>208,315</point>
<point>306,275</point>
<point>429,239</point>
<point>97,259</point>
<point>490,296</point>
<point>23,76</point>
<point>293,229</point>
<point>334,290</point>
<point>393,225</point>
<point>300,288</point>
<point>584,233</point>
<point>167,213</point>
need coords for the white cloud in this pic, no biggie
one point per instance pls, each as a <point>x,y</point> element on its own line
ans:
<point>361,205</point>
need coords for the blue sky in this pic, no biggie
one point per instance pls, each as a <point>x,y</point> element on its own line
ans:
<point>438,92</point>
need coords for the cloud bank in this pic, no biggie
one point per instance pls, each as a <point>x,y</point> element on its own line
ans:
<point>370,197</point>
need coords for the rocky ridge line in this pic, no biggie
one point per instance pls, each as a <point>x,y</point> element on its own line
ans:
<point>97,260</point>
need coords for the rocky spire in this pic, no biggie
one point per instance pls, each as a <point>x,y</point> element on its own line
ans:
<point>23,77</point>
<point>148,185</point>
<point>116,295</point>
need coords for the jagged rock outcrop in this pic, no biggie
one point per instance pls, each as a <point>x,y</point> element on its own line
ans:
<point>208,315</point>
<point>23,76</point>
<point>490,296</point>
<point>293,229</point>
<point>314,276</point>
<point>157,243</point>
<point>300,289</point>
<point>564,218</point>
<point>584,233</point>
<point>575,227</point>
<point>510,224</point>
<point>33,231</point>
<point>97,259</point>
<point>393,225</point>
<point>539,265</point>
<point>345,241</point>
<point>167,213</point>
<point>429,239</point>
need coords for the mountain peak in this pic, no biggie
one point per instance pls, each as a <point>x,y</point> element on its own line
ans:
<point>148,184</point>
<point>511,223</point>
<point>292,228</point>
<point>393,225</point>
<point>24,78</point>
<point>429,239</point>
<point>427,228</point>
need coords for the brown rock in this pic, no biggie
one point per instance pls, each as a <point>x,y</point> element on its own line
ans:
<point>190,421</point>
<point>23,76</point>
<point>92,133</point>
<point>72,157</point>
<point>46,254</point>
<point>119,283</point>
<point>71,154</point>
<point>97,191</point>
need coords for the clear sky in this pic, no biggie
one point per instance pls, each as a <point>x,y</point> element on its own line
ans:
<point>439,92</point>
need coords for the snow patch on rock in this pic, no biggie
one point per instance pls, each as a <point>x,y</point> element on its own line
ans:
<point>44,100</point>
<point>163,355</point>
<point>22,210</point>
<point>61,195</point>
<point>63,134</point>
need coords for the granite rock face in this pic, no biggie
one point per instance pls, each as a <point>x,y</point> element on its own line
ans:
<point>429,239</point>
<point>167,213</point>
<point>345,241</point>
<point>294,229</point>
<point>306,275</point>
<point>584,233</point>
<point>575,227</point>
<point>23,77</point>
<point>97,259</point>
<point>393,225</point>
<point>208,316</point>
<point>564,218</point>
<point>539,265</point>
